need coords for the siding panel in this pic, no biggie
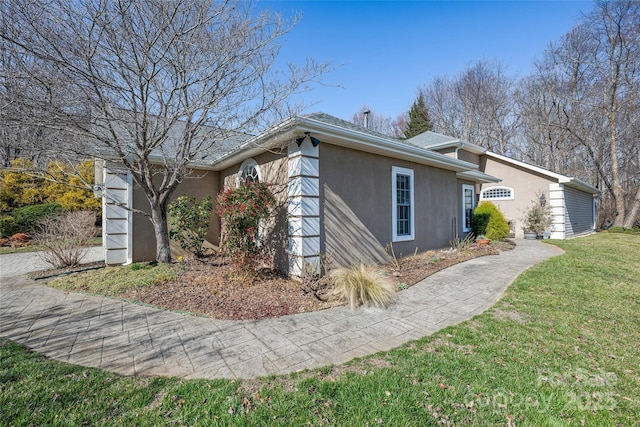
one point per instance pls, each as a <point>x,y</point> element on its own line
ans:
<point>578,212</point>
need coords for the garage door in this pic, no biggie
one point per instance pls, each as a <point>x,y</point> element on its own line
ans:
<point>578,212</point>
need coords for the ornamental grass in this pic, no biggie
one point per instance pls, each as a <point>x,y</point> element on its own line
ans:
<point>364,285</point>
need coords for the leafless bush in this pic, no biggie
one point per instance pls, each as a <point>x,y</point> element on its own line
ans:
<point>65,237</point>
<point>314,281</point>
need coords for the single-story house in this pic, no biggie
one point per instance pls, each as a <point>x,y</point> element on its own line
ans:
<point>344,192</point>
<point>572,201</point>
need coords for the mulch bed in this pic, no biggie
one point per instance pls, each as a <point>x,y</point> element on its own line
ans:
<point>211,287</point>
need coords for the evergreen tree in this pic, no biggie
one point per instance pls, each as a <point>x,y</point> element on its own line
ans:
<point>419,120</point>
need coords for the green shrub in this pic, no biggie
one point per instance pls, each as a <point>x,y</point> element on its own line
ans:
<point>363,285</point>
<point>479,222</point>
<point>8,226</point>
<point>28,217</point>
<point>241,210</point>
<point>497,227</point>
<point>189,222</point>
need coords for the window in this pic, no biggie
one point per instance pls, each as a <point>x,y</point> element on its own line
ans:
<point>249,172</point>
<point>497,193</point>
<point>468,204</point>
<point>402,201</point>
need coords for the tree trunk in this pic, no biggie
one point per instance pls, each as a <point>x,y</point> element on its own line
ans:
<point>161,230</point>
<point>633,212</point>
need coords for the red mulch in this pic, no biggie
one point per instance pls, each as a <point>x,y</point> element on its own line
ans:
<point>210,287</point>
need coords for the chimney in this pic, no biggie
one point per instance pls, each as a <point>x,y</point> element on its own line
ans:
<point>366,118</point>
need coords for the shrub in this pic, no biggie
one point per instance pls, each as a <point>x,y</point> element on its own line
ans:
<point>537,218</point>
<point>479,222</point>
<point>189,222</point>
<point>28,217</point>
<point>8,226</point>
<point>68,185</point>
<point>497,227</point>
<point>241,210</point>
<point>65,237</point>
<point>363,284</point>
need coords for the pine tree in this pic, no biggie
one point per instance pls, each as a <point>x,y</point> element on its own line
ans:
<point>419,120</point>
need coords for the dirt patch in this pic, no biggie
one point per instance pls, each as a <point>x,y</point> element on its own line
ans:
<point>512,315</point>
<point>210,287</point>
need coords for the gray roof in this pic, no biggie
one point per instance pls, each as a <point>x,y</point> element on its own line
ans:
<point>428,139</point>
<point>328,119</point>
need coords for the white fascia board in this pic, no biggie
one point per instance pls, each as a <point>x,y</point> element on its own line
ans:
<point>378,145</point>
<point>524,165</point>
<point>254,146</point>
<point>477,176</point>
<point>562,179</point>
<point>580,185</point>
<point>472,148</point>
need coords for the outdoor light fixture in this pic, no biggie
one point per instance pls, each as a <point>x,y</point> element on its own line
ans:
<point>98,190</point>
<point>313,140</point>
<point>543,199</point>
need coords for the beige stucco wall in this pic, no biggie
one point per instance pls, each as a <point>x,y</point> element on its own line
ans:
<point>199,184</point>
<point>526,184</point>
<point>460,154</point>
<point>468,156</point>
<point>356,194</point>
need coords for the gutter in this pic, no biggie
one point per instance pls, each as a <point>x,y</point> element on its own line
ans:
<point>381,145</point>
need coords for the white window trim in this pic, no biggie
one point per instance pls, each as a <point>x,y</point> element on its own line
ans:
<point>248,162</point>
<point>497,198</point>
<point>395,171</point>
<point>473,204</point>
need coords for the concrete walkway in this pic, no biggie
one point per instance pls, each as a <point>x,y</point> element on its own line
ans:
<point>135,340</point>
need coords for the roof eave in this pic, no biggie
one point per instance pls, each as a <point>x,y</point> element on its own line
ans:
<point>478,177</point>
<point>562,179</point>
<point>383,146</point>
<point>580,185</point>
<point>472,148</point>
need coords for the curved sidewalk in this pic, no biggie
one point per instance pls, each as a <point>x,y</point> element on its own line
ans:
<point>136,340</point>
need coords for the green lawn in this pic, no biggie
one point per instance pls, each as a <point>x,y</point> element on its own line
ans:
<point>561,348</point>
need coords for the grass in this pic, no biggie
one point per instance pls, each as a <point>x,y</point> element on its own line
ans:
<point>561,348</point>
<point>111,281</point>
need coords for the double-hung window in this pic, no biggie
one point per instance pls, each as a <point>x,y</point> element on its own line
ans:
<point>403,222</point>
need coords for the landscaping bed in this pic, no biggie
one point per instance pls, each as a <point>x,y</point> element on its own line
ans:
<point>211,287</point>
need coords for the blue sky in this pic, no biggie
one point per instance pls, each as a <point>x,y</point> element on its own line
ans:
<point>385,50</point>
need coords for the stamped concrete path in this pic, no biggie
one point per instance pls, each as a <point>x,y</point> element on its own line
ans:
<point>136,340</point>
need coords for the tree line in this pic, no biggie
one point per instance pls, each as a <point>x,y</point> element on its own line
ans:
<point>577,113</point>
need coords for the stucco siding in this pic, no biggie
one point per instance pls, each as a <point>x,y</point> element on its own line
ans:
<point>526,186</point>
<point>199,184</point>
<point>468,156</point>
<point>578,212</point>
<point>356,209</point>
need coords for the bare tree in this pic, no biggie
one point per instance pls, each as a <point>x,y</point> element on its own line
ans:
<point>152,84</point>
<point>592,75</point>
<point>377,122</point>
<point>477,106</point>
